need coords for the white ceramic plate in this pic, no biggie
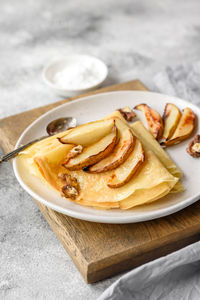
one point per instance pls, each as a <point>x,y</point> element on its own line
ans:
<point>96,107</point>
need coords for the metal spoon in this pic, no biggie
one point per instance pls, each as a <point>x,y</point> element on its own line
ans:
<point>54,127</point>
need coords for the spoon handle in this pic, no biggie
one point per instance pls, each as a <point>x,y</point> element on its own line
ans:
<point>13,153</point>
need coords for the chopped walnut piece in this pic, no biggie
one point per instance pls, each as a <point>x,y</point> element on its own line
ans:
<point>70,189</point>
<point>63,176</point>
<point>194,146</point>
<point>74,152</point>
<point>68,179</point>
<point>127,113</point>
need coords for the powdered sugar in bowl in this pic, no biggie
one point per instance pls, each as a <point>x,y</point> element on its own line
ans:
<point>75,74</point>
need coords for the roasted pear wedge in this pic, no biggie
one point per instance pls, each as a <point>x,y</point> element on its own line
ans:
<point>154,120</point>
<point>93,153</point>
<point>171,117</point>
<point>88,134</point>
<point>121,152</point>
<point>125,172</point>
<point>184,128</point>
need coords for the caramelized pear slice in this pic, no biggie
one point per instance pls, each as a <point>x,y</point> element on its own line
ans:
<point>154,120</point>
<point>93,153</point>
<point>184,129</point>
<point>121,152</point>
<point>125,172</point>
<point>171,118</point>
<point>88,134</point>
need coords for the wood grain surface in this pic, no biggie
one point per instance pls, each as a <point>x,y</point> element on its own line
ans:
<point>102,250</point>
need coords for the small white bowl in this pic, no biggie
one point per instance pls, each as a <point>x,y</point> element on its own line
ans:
<point>57,66</point>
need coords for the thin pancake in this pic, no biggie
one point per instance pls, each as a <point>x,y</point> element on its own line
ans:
<point>93,187</point>
<point>105,205</point>
<point>143,196</point>
<point>151,182</point>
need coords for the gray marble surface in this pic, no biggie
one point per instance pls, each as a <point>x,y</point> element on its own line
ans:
<point>156,41</point>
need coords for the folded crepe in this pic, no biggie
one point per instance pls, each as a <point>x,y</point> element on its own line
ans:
<point>157,176</point>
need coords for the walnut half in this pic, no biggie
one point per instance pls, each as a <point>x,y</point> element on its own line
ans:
<point>74,152</point>
<point>70,189</point>
<point>127,113</point>
<point>194,146</point>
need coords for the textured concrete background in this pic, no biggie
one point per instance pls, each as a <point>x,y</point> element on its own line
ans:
<point>156,41</point>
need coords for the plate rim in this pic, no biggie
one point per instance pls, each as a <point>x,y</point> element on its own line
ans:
<point>94,218</point>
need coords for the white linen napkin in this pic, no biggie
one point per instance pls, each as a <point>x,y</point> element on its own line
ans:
<point>177,275</point>
<point>172,277</point>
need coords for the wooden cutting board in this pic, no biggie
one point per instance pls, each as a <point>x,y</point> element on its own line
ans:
<point>102,250</point>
